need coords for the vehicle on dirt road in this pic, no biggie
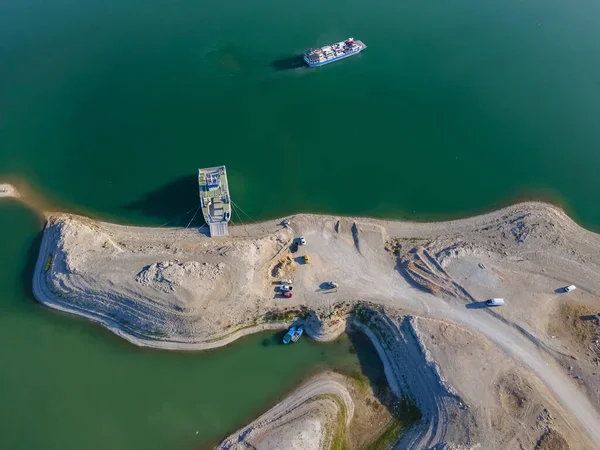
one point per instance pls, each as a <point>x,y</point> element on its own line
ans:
<point>285,288</point>
<point>495,302</point>
<point>302,240</point>
<point>306,260</point>
<point>332,284</point>
<point>570,288</point>
<point>287,294</point>
<point>285,281</point>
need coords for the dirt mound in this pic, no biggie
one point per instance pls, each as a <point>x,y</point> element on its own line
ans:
<point>425,272</point>
<point>552,440</point>
<point>166,276</point>
<point>577,323</point>
<point>514,393</point>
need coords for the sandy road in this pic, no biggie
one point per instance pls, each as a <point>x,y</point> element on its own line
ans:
<point>527,353</point>
<point>366,274</point>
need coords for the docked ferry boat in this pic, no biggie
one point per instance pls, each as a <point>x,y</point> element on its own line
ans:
<point>316,57</point>
<point>214,199</point>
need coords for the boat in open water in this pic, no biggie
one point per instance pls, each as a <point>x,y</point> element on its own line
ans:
<point>316,57</point>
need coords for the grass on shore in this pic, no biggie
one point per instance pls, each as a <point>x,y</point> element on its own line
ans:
<point>406,414</point>
<point>48,263</point>
<point>338,440</point>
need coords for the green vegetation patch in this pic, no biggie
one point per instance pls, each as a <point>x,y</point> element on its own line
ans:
<point>360,380</point>
<point>338,440</point>
<point>405,413</point>
<point>49,263</point>
<point>286,316</point>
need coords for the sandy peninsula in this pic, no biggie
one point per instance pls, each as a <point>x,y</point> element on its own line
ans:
<point>519,376</point>
<point>8,190</point>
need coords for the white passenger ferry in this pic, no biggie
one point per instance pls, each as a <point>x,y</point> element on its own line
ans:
<point>316,57</point>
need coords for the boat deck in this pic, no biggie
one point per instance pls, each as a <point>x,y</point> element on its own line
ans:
<point>333,52</point>
<point>214,199</point>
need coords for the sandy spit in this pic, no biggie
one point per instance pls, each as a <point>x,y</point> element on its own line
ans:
<point>174,288</point>
<point>8,190</point>
<point>305,420</point>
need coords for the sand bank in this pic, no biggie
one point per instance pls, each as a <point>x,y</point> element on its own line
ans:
<point>307,419</point>
<point>8,190</point>
<point>175,288</point>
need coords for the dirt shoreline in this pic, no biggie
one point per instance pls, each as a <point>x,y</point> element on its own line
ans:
<point>8,190</point>
<point>178,289</point>
<point>315,405</point>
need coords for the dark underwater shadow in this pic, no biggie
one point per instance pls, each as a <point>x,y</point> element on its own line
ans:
<point>289,63</point>
<point>373,369</point>
<point>274,339</point>
<point>370,362</point>
<point>174,203</point>
<point>31,260</point>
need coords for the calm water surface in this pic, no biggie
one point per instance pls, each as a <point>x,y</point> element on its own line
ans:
<point>455,107</point>
<point>107,108</point>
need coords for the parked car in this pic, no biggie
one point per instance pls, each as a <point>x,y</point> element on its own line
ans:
<point>287,294</point>
<point>570,288</point>
<point>306,260</point>
<point>302,240</point>
<point>495,302</point>
<point>332,284</point>
<point>285,281</point>
<point>286,288</point>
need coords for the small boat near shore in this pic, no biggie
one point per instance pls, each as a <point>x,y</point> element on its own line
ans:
<point>289,335</point>
<point>298,333</point>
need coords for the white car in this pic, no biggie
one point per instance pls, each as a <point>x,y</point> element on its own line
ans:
<point>286,288</point>
<point>570,288</point>
<point>302,240</point>
<point>285,281</point>
<point>332,284</point>
<point>495,302</point>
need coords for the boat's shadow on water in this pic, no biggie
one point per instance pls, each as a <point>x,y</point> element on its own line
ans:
<point>289,63</point>
<point>174,203</point>
<point>275,339</point>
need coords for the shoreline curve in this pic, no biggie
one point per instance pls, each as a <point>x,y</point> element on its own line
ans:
<point>198,293</point>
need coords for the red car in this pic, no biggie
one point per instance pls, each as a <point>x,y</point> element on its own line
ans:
<point>287,294</point>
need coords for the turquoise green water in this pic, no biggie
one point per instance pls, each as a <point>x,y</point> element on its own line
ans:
<point>108,108</point>
<point>454,107</point>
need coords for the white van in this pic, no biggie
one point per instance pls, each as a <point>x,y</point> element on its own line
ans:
<point>495,302</point>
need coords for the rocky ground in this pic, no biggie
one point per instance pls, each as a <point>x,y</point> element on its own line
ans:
<point>519,376</point>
